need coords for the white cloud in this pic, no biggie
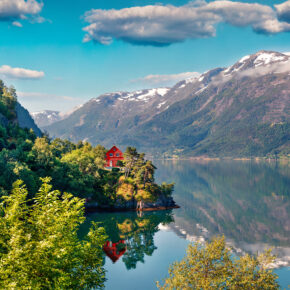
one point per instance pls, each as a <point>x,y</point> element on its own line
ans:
<point>16,23</point>
<point>160,25</point>
<point>283,11</point>
<point>38,101</point>
<point>7,71</point>
<point>11,10</point>
<point>38,95</point>
<point>166,80</point>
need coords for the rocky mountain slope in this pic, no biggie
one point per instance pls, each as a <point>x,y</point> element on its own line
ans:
<point>46,117</point>
<point>25,120</point>
<point>242,110</point>
<point>11,112</point>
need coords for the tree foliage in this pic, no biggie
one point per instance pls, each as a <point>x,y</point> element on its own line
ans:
<point>8,101</point>
<point>138,183</point>
<point>211,266</point>
<point>39,246</point>
<point>89,159</point>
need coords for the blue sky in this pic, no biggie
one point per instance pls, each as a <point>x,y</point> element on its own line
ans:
<point>60,70</point>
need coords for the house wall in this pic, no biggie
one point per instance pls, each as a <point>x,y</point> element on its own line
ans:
<point>113,156</point>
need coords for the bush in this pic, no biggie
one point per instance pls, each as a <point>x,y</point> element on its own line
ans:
<point>212,267</point>
<point>39,246</point>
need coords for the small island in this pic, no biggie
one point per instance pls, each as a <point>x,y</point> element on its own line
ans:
<point>132,182</point>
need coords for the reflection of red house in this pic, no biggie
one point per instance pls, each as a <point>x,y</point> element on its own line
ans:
<point>115,250</point>
<point>113,156</point>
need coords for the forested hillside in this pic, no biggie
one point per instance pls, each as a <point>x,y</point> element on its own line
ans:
<point>12,112</point>
<point>75,168</point>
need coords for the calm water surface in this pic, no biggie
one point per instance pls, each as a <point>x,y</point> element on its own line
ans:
<point>248,202</point>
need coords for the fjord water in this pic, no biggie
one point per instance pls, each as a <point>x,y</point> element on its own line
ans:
<point>247,201</point>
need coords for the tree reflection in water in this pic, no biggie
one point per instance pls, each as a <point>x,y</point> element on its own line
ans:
<point>131,235</point>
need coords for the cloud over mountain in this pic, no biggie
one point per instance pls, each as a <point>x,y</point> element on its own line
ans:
<point>165,80</point>
<point>19,9</point>
<point>39,95</point>
<point>34,100</point>
<point>20,73</point>
<point>161,25</point>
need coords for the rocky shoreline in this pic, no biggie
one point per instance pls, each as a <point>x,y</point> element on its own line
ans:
<point>162,203</point>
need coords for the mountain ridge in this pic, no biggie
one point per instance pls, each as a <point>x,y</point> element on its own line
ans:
<point>224,112</point>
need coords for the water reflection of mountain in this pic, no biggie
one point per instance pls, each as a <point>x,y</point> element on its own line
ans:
<point>249,202</point>
<point>131,236</point>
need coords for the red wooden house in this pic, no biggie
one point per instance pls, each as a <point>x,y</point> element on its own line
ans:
<point>113,156</point>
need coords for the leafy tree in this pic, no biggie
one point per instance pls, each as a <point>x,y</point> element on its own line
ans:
<point>39,246</point>
<point>145,173</point>
<point>8,101</point>
<point>42,154</point>
<point>88,158</point>
<point>167,188</point>
<point>138,183</point>
<point>131,157</point>
<point>60,147</point>
<point>212,267</point>
<point>126,189</point>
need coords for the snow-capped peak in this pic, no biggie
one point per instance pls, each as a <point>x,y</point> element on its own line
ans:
<point>46,117</point>
<point>265,58</point>
<point>144,95</point>
<point>261,58</point>
<point>48,113</point>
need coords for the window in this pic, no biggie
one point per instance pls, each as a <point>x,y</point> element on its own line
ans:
<point>117,154</point>
<point>111,154</point>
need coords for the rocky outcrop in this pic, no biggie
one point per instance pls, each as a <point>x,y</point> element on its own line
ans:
<point>24,120</point>
<point>162,203</point>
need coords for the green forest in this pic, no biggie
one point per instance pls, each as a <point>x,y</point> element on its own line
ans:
<point>75,168</point>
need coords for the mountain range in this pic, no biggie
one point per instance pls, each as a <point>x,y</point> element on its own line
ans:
<point>238,111</point>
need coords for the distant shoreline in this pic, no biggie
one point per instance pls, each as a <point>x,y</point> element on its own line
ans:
<point>225,158</point>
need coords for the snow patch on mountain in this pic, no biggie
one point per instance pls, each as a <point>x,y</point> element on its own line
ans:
<point>201,78</point>
<point>243,59</point>
<point>144,95</point>
<point>263,61</point>
<point>161,104</point>
<point>266,58</point>
<point>46,117</point>
<point>191,80</point>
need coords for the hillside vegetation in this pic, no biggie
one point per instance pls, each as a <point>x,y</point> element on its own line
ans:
<point>75,168</point>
